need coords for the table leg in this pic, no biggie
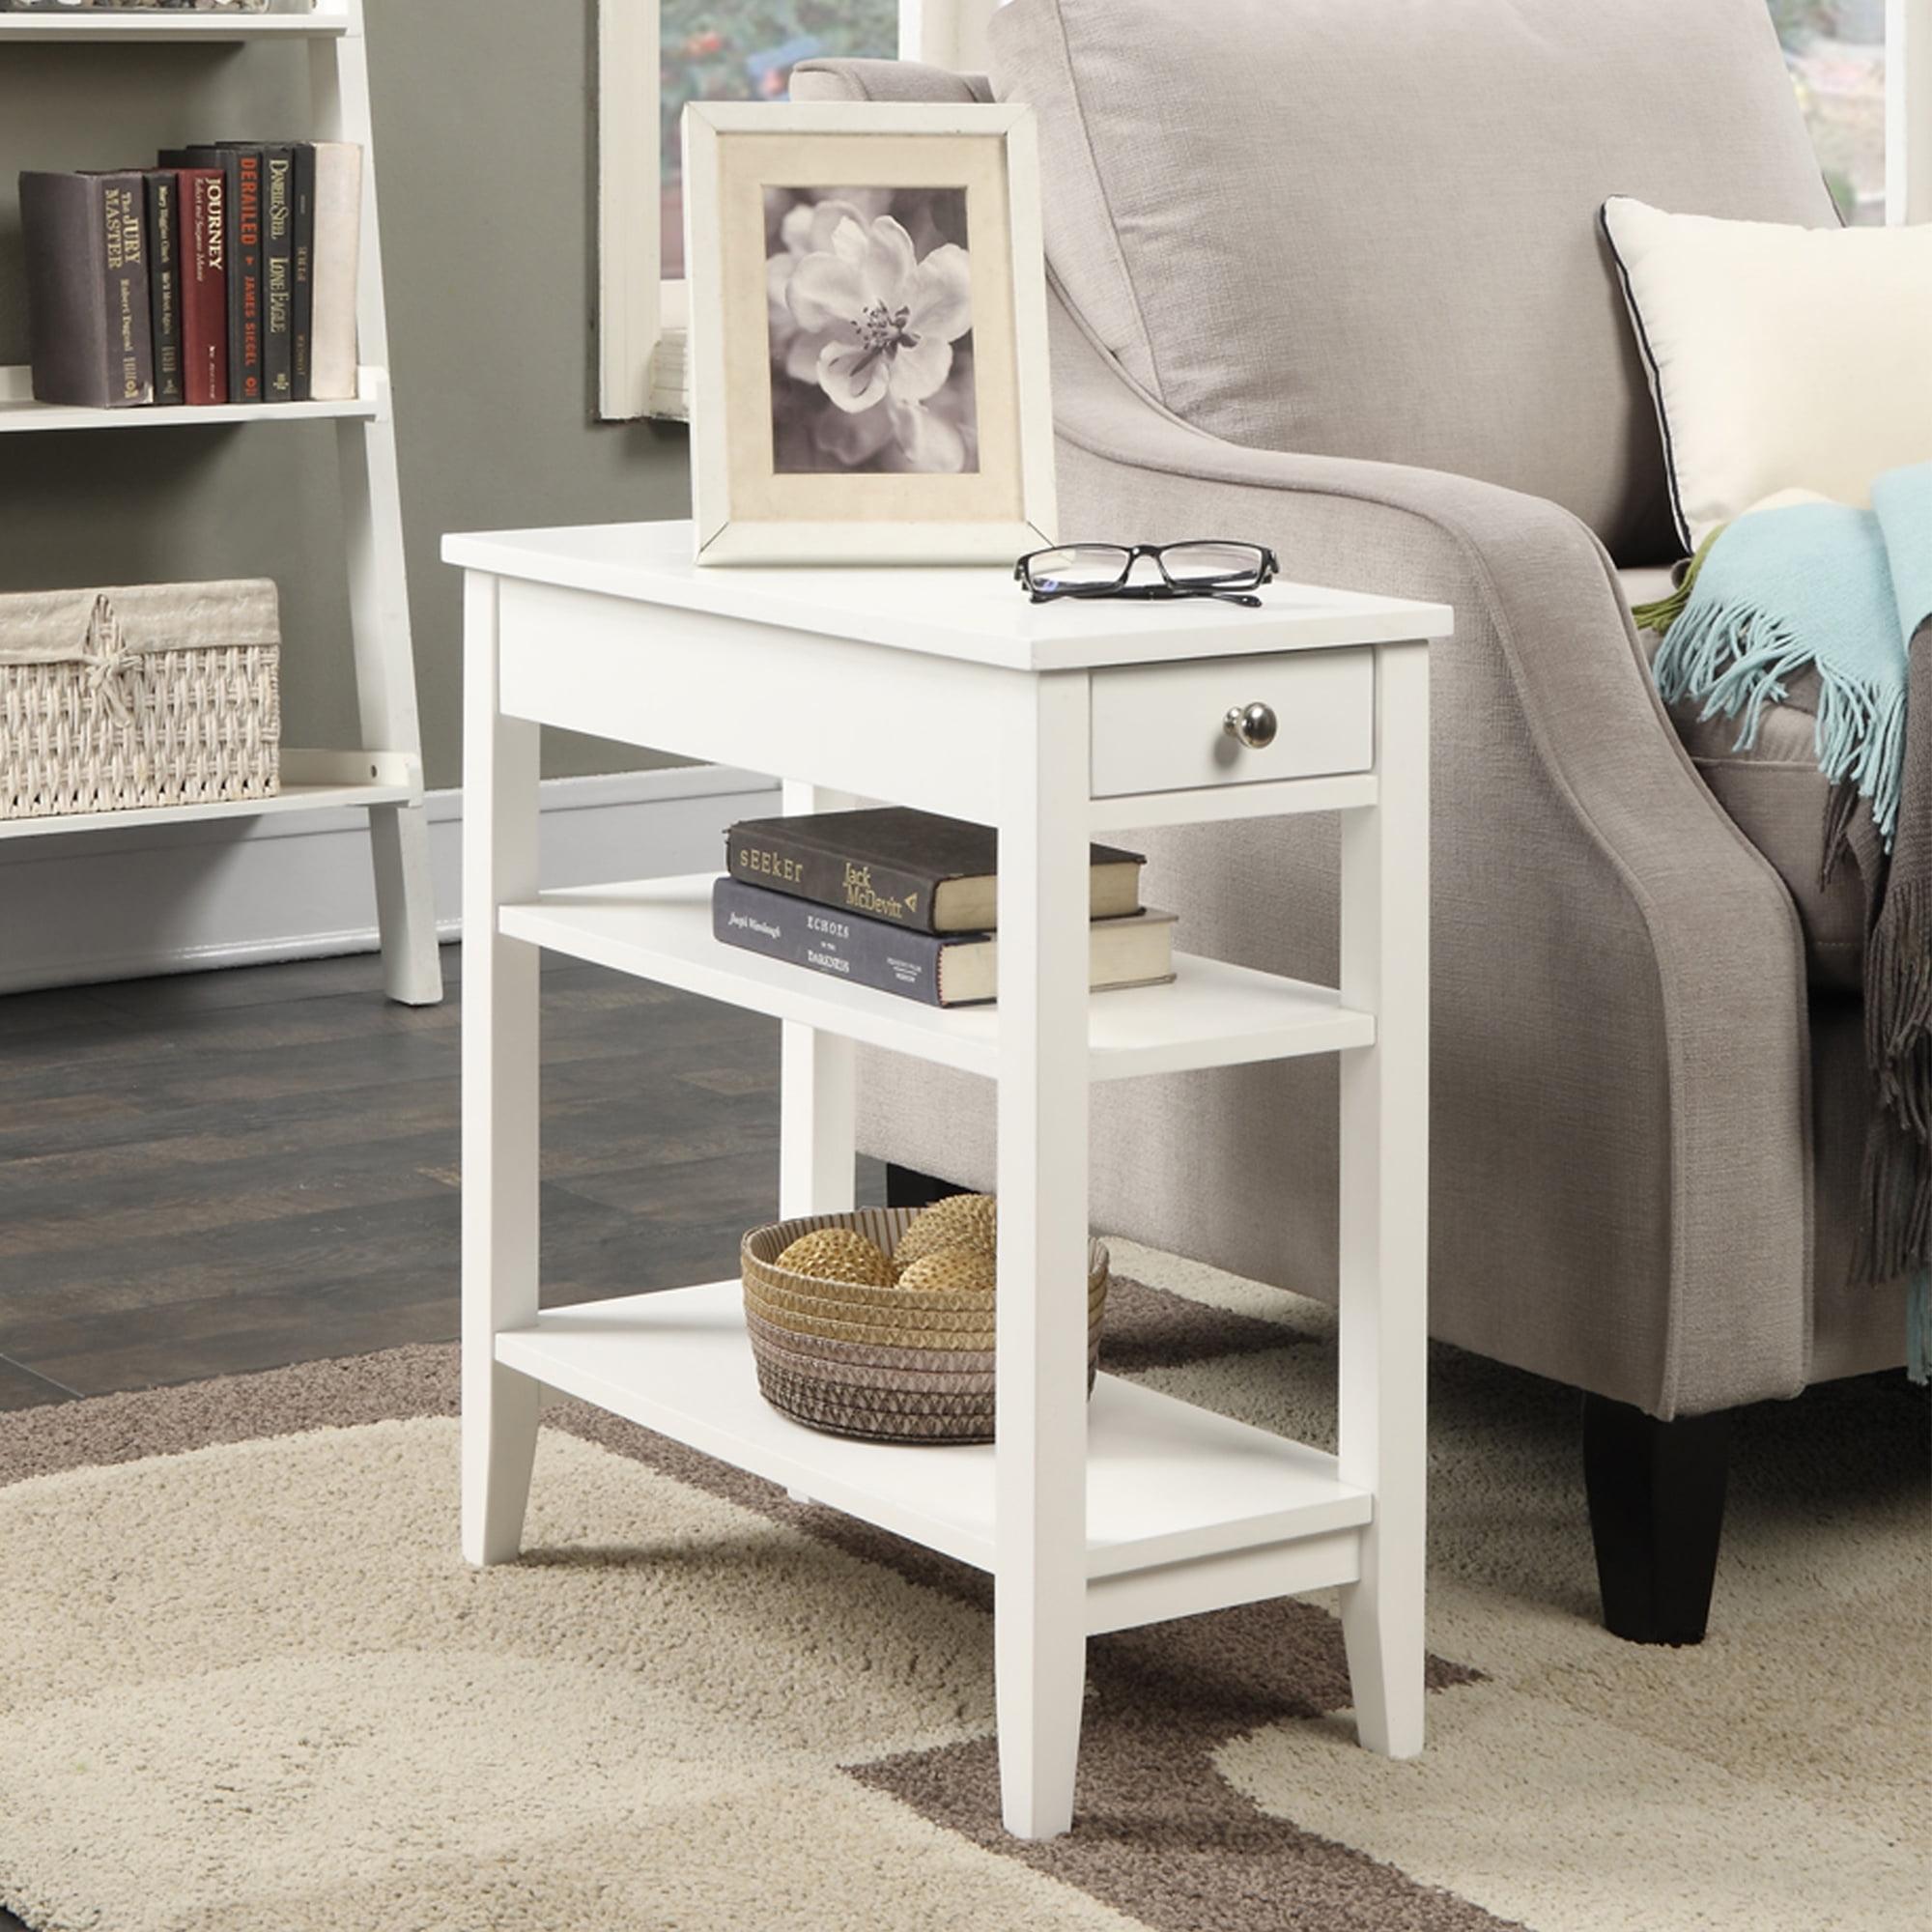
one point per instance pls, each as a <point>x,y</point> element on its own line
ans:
<point>1040,1484</point>
<point>500,1094</point>
<point>816,1093</point>
<point>1384,1208</point>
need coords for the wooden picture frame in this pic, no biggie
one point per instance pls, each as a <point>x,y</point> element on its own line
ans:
<point>810,445</point>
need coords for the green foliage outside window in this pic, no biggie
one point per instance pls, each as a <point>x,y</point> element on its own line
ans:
<point>746,49</point>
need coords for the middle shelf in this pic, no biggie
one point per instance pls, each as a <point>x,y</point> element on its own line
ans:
<point>1212,1015</point>
<point>20,412</point>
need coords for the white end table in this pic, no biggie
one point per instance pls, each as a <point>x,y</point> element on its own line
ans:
<point>947,690</point>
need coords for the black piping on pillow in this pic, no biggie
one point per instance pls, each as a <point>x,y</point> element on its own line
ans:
<point>1651,371</point>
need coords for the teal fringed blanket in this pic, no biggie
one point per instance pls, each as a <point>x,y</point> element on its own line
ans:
<point>1799,584</point>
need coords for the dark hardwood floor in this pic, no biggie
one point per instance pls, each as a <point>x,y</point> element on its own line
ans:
<point>235,1171</point>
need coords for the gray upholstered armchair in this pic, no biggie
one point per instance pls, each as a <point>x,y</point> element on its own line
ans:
<point>1328,277</point>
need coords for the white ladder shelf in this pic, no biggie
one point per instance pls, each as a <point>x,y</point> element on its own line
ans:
<point>384,773</point>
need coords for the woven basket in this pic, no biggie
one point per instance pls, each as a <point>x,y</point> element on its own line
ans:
<point>889,1364</point>
<point>155,694</point>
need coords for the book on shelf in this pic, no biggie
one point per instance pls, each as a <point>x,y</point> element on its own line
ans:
<point>228,161</point>
<point>248,256</point>
<point>338,250</point>
<point>939,969</point>
<point>134,6</point>
<point>164,191</point>
<point>302,267</point>
<point>904,868</point>
<point>90,335</point>
<point>244,273</point>
<point>278,274</point>
<point>204,284</point>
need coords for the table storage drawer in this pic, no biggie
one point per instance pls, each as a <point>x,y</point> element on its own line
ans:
<point>1165,727</point>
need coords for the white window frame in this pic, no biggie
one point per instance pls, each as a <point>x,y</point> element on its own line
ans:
<point>641,317</point>
<point>1908,110</point>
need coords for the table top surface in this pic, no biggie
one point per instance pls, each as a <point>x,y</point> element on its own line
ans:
<point>974,613</point>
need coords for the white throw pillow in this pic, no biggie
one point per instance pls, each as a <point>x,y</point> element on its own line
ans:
<point>1780,357</point>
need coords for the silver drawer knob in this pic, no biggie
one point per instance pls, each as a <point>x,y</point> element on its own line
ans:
<point>1252,724</point>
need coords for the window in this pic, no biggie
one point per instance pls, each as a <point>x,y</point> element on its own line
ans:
<point>745,50</point>
<point>1836,51</point>
<point>671,51</point>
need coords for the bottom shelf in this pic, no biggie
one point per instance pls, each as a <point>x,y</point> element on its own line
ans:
<point>311,782</point>
<point>1167,1482</point>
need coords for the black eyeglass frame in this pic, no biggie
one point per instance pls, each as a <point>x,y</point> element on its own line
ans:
<point>1233,591</point>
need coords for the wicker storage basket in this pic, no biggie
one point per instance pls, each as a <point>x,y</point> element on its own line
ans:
<point>155,694</point>
<point>889,1364</point>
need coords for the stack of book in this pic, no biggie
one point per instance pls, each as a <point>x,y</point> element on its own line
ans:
<point>225,274</point>
<point>137,6</point>
<point>906,902</point>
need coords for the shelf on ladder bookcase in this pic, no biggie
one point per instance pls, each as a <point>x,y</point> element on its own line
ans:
<point>311,782</point>
<point>19,413</point>
<point>169,26</point>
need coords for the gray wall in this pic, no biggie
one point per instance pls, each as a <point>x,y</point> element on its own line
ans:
<point>485,135</point>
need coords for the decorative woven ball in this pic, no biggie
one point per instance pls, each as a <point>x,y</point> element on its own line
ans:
<point>959,1221</point>
<point>839,1254</point>
<point>954,1268</point>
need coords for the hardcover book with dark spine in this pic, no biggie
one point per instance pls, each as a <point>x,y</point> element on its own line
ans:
<point>304,269</point>
<point>164,282</point>
<point>912,869</point>
<point>90,337</point>
<point>245,275</point>
<point>228,159</point>
<point>246,308</point>
<point>137,6</point>
<point>204,284</point>
<point>279,274</point>
<point>937,969</point>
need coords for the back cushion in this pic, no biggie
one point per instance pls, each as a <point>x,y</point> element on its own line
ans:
<point>1369,227</point>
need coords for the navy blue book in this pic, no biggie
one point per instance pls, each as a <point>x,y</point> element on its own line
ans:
<point>939,969</point>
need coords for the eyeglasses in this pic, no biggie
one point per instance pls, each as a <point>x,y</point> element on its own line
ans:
<point>1229,571</point>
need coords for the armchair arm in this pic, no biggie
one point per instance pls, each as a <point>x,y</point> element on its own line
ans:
<point>826,79</point>
<point>1621,1189</point>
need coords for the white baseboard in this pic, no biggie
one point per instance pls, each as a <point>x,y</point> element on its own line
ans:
<point>128,903</point>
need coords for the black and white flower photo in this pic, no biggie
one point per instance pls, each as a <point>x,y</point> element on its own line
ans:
<point>870,301</point>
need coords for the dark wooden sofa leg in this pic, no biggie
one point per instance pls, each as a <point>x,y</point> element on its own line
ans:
<point>1656,1490</point>
<point>1657,1510</point>
<point>907,1187</point>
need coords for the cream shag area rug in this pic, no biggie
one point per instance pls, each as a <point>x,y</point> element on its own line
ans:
<point>246,1685</point>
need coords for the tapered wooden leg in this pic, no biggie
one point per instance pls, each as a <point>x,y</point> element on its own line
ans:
<point>406,904</point>
<point>1041,1483</point>
<point>499,1447</point>
<point>500,1096</point>
<point>1385,1209</point>
<point>386,692</point>
<point>1657,1516</point>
